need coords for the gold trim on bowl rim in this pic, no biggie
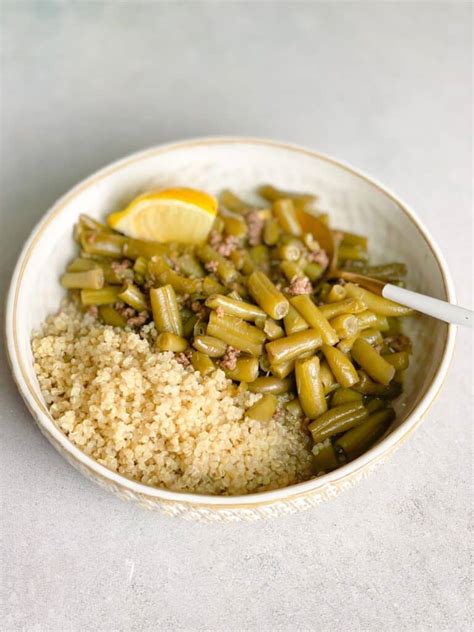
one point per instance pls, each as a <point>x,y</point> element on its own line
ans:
<point>205,502</point>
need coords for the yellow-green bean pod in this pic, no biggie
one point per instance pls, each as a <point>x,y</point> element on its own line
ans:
<point>239,308</point>
<point>372,362</point>
<point>291,347</point>
<point>294,322</point>
<point>165,310</point>
<point>264,409</point>
<point>309,387</point>
<point>357,440</point>
<point>270,384</point>
<point>237,333</point>
<point>337,420</point>
<point>202,363</point>
<point>166,341</point>
<point>213,347</point>
<point>341,366</point>
<point>267,296</point>
<point>246,370</point>
<point>314,317</point>
<point>89,279</point>
<point>375,303</point>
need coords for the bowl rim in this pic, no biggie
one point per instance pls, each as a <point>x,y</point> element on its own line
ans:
<point>48,426</point>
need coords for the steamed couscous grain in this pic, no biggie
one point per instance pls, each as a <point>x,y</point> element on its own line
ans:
<point>143,414</point>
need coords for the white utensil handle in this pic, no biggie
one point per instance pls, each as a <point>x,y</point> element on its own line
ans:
<point>431,306</point>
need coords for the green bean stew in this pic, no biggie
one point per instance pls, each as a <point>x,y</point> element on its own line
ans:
<point>257,301</point>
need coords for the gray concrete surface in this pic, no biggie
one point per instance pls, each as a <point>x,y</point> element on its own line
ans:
<point>384,86</point>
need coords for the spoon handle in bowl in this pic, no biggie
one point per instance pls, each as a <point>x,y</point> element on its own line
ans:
<point>430,306</point>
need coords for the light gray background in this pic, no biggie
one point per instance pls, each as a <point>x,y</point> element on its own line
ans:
<point>384,86</point>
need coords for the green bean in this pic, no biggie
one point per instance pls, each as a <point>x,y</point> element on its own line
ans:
<point>271,232</point>
<point>246,370</point>
<point>385,272</point>
<point>188,326</point>
<point>377,304</point>
<point>264,409</point>
<point>342,367</point>
<point>293,407</point>
<point>310,242</point>
<point>344,396</point>
<point>218,226</point>
<point>89,223</point>
<point>351,239</point>
<point>235,225</point>
<point>282,369</point>
<point>108,294</point>
<point>284,211</point>
<point>264,363</point>
<point>240,309</point>
<point>161,271</point>
<point>394,326</point>
<point>272,329</point>
<point>270,384</point>
<point>291,347</point>
<point>291,270</point>
<point>237,333</point>
<point>294,322</point>
<point>345,325</point>
<point>271,193</point>
<point>325,460</point>
<point>337,420</point>
<point>225,269</point>
<point>89,279</point>
<point>190,266</point>
<point>141,266</point>
<point>133,296</point>
<point>265,294</point>
<point>399,360</point>
<point>260,255</point>
<point>327,378</point>
<point>103,244</point>
<point>356,441</point>
<point>367,319</point>
<point>399,377</point>
<point>82,265</point>
<point>313,316</point>
<point>309,387</point>
<point>213,347</point>
<point>200,328</point>
<point>313,271</point>
<point>288,252</point>
<point>202,363</point>
<point>165,310</point>
<point>345,344</point>
<point>242,261</point>
<point>375,404</point>
<point>372,336</point>
<point>346,306</point>
<point>366,386</point>
<point>337,293</point>
<point>111,316</point>
<point>233,203</point>
<point>166,341</point>
<point>211,286</point>
<point>352,253</point>
<point>134,248</point>
<point>372,362</point>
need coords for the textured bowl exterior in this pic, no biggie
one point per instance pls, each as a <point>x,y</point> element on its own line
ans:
<point>354,201</point>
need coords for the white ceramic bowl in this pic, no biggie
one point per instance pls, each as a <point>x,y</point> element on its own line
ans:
<point>354,201</point>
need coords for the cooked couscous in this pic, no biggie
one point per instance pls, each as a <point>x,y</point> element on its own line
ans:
<point>143,414</point>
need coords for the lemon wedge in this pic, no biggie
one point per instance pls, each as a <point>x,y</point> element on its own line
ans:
<point>182,215</point>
